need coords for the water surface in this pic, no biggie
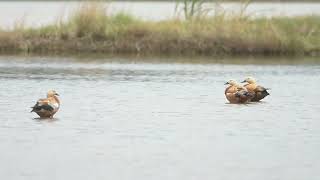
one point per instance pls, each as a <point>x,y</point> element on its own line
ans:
<point>158,118</point>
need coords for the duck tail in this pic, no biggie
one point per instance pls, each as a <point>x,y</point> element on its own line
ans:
<point>34,108</point>
<point>265,93</point>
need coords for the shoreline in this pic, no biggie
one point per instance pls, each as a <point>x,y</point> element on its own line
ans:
<point>163,59</point>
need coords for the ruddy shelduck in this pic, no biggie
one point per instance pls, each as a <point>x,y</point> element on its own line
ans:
<point>259,92</point>
<point>236,93</point>
<point>47,107</point>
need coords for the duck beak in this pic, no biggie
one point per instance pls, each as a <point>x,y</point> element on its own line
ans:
<point>226,83</point>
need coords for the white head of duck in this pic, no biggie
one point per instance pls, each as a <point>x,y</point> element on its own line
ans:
<point>231,82</point>
<point>52,93</point>
<point>249,80</point>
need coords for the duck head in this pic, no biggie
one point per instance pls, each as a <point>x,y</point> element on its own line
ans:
<point>231,82</point>
<point>249,80</point>
<point>52,93</point>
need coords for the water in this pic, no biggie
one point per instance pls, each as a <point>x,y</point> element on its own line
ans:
<point>158,118</point>
<point>35,13</point>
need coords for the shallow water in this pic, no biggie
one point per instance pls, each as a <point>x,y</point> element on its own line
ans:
<point>158,118</point>
<point>37,13</point>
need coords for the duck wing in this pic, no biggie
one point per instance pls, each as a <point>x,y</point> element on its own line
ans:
<point>42,104</point>
<point>243,93</point>
<point>260,93</point>
<point>262,90</point>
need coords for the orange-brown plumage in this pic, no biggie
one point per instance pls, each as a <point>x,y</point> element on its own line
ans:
<point>47,107</point>
<point>236,93</point>
<point>259,92</point>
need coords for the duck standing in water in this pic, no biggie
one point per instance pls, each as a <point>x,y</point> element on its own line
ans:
<point>46,108</point>
<point>259,92</point>
<point>236,93</point>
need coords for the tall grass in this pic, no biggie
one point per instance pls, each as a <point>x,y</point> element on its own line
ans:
<point>89,20</point>
<point>91,29</point>
<point>191,8</point>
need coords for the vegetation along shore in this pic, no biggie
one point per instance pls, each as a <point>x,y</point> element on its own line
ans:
<point>91,29</point>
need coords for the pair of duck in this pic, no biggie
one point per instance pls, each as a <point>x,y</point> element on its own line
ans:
<point>250,92</point>
<point>235,93</point>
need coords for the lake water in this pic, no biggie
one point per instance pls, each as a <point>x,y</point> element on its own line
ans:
<point>158,118</point>
<point>35,13</point>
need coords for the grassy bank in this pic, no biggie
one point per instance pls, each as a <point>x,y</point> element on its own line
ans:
<point>89,29</point>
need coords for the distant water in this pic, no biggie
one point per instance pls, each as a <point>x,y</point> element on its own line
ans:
<point>158,118</point>
<point>36,13</point>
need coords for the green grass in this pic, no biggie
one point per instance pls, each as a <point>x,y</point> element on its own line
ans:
<point>89,29</point>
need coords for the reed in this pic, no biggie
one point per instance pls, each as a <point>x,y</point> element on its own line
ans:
<point>191,9</point>
<point>91,29</point>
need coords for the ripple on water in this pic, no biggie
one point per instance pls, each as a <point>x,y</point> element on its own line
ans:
<point>158,121</point>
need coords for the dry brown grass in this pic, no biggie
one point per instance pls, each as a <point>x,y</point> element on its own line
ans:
<point>89,29</point>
